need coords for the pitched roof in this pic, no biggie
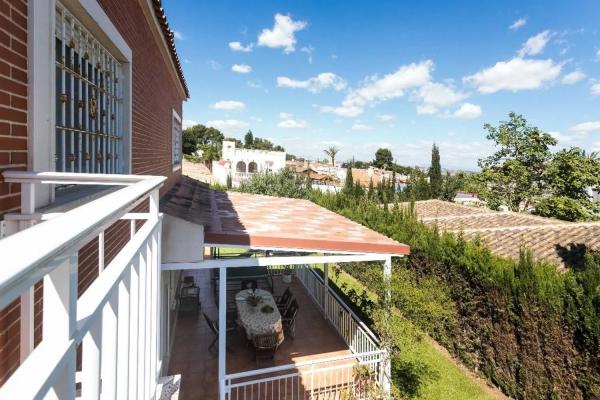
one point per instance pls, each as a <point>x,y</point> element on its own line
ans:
<point>505,233</point>
<point>170,39</point>
<point>232,218</point>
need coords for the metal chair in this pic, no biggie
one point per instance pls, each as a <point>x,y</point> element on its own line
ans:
<point>189,300</point>
<point>214,327</point>
<point>284,300</point>
<point>289,318</point>
<point>265,346</point>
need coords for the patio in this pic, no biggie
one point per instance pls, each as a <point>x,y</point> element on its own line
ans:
<point>315,339</point>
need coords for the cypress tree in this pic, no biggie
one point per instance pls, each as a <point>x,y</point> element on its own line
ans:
<point>349,184</point>
<point>435,172</point>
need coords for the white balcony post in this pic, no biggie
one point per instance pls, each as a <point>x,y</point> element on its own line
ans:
<point>123,348</point>
<point>27,297</point>
<point>326,290</point>
<point>386,361</point>
<point>60,317</point>
<point>91,361</point>
<point>222,330</point>
<point>109,347</point>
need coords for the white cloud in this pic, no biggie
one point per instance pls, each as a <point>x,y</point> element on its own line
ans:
<point>228,126</point>
<point>229,105</point>
<point>241,68</point>
<point>518,24</point>
<point>343,111</point>
<point>386,117</point>
<point>283,33</point>
<point>437,95</point>
<point>361,127</point>
<point>237,46</point>
<point>288,121</point>
<point>515,75</point>
<point>586,127</point>
<point>188,123</point>
<point>325,80</point>
<point>573,77</point>
<point>214,65</point>
<point>376,89</point>
<point>595,89</point>
<point>468,111</point>
<point>177,35</point>
<point>308,50</point>
<point>535,44</point>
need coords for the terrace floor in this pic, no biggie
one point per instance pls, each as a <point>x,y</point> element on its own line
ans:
<point>190,357</point>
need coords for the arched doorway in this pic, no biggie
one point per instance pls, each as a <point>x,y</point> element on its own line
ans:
<point>252,167</point>
<point>240,167</point>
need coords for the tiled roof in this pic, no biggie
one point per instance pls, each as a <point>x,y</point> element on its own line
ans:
<point>231,218</point>
<point>170,38</point>
<point>505,233</point>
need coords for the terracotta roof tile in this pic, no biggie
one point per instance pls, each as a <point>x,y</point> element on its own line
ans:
<point>232,218</point>
<point>505,233</point>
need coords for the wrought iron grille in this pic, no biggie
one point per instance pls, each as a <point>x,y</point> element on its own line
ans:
<point>89,106</point>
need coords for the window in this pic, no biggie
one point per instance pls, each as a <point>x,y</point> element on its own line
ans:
<point>89,128</point>
<point>176,140</point>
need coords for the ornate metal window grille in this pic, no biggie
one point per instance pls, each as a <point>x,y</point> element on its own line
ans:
<point>89,105</point>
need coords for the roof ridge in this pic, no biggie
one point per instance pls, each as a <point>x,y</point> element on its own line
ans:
<point>565,224</point>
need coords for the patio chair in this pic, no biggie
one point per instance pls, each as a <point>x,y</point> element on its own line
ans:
<point>283,301</point>
<point>214,327</point>
<point>289,318</point>
<point>265,346</point>
<point>249,284</point>
<point>189,300</point>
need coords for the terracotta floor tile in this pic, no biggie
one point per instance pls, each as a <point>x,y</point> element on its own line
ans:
<point>190,357</point>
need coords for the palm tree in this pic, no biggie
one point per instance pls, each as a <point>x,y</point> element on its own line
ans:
<point>331,152</point>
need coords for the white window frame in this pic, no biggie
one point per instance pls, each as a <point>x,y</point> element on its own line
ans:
<point>41,88</point>
<point>176,164</point>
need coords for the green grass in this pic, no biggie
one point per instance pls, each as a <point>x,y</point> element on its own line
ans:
<point>450,382</point>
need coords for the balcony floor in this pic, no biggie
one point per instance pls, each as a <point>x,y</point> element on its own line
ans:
<point>190,357</point>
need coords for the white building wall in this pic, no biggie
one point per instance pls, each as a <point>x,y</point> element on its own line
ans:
<point>239,163</point>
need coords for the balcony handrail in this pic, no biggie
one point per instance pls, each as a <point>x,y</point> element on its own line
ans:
<point>280,368</point>
<point>356,318</point>
<point>72,178</point>
<point>21,269</point>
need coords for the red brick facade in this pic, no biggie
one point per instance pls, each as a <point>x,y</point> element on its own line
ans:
<point>154,97</point>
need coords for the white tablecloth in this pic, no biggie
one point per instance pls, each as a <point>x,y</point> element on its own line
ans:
<point>254,321</point>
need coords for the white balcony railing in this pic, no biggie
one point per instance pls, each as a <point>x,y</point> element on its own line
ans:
<point>341,377</point>
<point>357,335</point>
<point>116,322</point>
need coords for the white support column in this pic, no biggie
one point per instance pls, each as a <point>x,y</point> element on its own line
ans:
<point>387,364</point>
<point>27,311</point>
<point>60,318</point>
<point>326,290</point>
<point>222,330</point>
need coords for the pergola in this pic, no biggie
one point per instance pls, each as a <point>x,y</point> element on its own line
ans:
<point>196,217</point>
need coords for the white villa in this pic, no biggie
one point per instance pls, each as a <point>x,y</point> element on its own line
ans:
<point>240,164</point>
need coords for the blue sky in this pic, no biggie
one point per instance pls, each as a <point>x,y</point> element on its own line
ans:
<point>363,74</point>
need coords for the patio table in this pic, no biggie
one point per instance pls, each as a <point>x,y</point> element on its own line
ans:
<point>255,321</point>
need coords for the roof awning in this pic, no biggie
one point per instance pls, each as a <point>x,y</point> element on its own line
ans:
<point>241,219</point>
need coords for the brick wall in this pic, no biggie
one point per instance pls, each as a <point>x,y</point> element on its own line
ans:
<point>154,96</point>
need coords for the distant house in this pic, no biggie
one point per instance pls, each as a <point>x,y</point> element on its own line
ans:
<point>469,199</point>
<point>240,164</point>
<point>365,175</point>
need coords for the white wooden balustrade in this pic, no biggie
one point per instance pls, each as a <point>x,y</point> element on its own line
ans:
<point>116,322</point>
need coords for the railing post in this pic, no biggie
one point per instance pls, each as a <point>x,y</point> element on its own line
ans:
<point>326,290</point>
<point>387,277</point>
<point>60,317</point>
<point>123,347</point>
<point>91,361</point>
<point>222,331</point>
<point>110,347</point>
<point>27,298</point>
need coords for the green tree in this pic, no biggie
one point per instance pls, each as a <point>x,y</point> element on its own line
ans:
<point>569,177</point>
<point>450,186</point>
<point>349,182</point>
<point>383,158</point>
<point>207,139</point>
<point>332,152</point>
<point>512,176</point>
<point>435,172</point>
<point>283,183</point>
<point>249,140</point>
<point>417,187</point>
